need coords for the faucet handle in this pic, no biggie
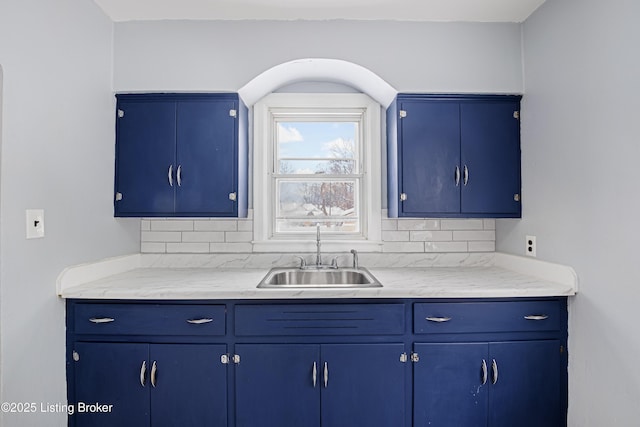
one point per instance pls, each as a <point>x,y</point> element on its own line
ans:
<point>334,261</point>
<point>303,262</point>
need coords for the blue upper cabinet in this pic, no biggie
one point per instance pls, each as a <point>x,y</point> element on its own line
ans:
<point>454,156</point>
<point>181,155</point>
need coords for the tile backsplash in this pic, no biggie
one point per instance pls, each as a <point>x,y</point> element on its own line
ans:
<point>399,235</point>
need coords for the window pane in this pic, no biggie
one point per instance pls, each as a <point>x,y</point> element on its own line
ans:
<point>305,203</point>
<point>319,139</point>
<point>334,167</point>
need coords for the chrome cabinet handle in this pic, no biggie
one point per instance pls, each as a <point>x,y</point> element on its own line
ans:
<point>170,175</point>
<point>484,372</point>
<point>199,321</point>
<point>494,368</point>
<point>457,175</point>
<point>154,370</point>
<point>102,320</point>
<point>143,372</point>
<point>438,319</point>
<point>326,374</point>
<point>536,317</point>
<point>179,175</point>
<point>314,374</point>
<point>465,179</point>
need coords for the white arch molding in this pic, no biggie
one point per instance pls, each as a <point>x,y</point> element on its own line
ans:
<point>318,70</point>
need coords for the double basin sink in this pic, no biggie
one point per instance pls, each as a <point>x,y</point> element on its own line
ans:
<point>312,277</point>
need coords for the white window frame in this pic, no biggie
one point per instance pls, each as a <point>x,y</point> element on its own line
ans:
<point>265,114</point>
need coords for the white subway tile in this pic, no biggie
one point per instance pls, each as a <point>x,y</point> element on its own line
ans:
<point>187,248</point>
<point>403,247</point>
<point>482,246</point>
<point>395,236</point>
<point>161,236</point>
<point>431,236</point>
<point>474,235</point>
<point>462,224</point>
<point>171,225</point>
<point>145,225</point>
<point>238,236</point>
<point>418,224</point>
<point>245,225</point>
<point>231,247</point>
<point>203,236</point>
<point>216,225</point>
<point>153,247</point>
<point>489,224</point>
<point>445,246</point>
<point>389,224</point>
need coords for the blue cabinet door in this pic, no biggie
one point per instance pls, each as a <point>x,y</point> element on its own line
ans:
<point>275,385</point>
<point>188,385</point>
<point>112,374</point>
<point>429,157</point>
<point>363,385</point>
<point>527,389</point>
<point>145,157</point>
<point>451,385</point>
<point>490,140</point>
<point>206,161</point>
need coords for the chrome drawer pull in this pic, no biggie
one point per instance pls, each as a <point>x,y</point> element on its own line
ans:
<point>326,374</point>
<point>154,369</point>
<point>484,372</point>
<point>143,372</point>
<point>494,367</point>
<point>537,317</point>
<point>199,321</point>
<point>314,374</point>
<point>170,175</point>
<point>102,320</point>
<point>438,319</point>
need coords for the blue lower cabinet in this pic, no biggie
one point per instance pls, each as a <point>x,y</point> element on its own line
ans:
<point>113,374</point>
<point>149,385</point>
<point>528,384</point>
<point>363,385</point>
<point>450,385</point>
<point>189,385</point>
<point>276,385</point>
<point>318,363</point>
<point>328,385</point>
<point>497,384</point>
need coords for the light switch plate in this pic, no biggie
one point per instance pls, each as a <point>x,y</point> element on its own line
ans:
<point>35,223</point>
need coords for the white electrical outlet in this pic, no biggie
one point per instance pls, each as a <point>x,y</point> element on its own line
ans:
<point>530,246</point>
<point>35,223</point>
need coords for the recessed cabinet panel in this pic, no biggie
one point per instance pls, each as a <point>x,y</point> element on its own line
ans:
<point>490,138</point>
<point>206,157</point>
<point>145,154</point>
<point>430,157</point>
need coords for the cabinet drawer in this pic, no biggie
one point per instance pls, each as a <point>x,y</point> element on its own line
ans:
<point>478,317</point>
<point>149,319</point>
<point>319,319</point>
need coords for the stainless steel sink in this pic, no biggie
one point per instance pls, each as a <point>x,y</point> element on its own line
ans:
<point>291,277</point>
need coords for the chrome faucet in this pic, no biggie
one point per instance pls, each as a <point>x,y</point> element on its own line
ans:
<point>318,257</point>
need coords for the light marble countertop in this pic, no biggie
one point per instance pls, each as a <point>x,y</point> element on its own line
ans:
<point>500,276</point>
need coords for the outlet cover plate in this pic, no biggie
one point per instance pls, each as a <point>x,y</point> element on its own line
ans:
<point>35,223</point>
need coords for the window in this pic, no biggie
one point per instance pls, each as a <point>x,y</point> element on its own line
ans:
<point>316,162</point>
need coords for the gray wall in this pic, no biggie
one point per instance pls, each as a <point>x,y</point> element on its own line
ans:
<point>580,190</point>
<point>57,154</point>
<point>225,55</point>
